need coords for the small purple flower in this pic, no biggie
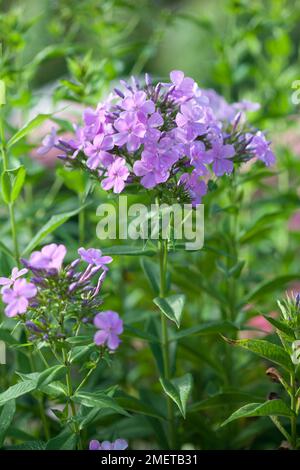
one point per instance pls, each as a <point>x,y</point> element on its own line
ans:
<point>94,257</point>
<point>138,102</point>
<point>183,86</point>
<point>119,444</point>
<point>15,274</point>
<point>195,185</point>
<point>130,131</point>
<point>17,297</point>
<point>220,154</point>
<point>97,151</point>
<point>49,258</point>
<point>199,158</point>
<point>110,326</point>
<point>117,174</point>
<point>48,142</point>
<point>261,149</point>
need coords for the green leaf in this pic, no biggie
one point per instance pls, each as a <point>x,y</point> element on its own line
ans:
<point>138,406</point>
<point>220,400</point>
<point>151,271</point>
<point>6,418</point>
<point>66,440</point>
<point>171,307</point>
<point>6,250</point>
<point>98,400</point>
<point>55,222</point>
<point>17,390</point>
<point>78,352</point>
<point>29,445</point>
<point>7,337</point>
<point>6,187</point>
<point>265,349</point>
<point>279,325</point>
<point>37,121</point>
<point>178,389</point>
<point>50,375</point>
<point>74,180</point>
<point>207,328</point>
<point>18,182</point>
<point>2,92</point>
<point>129,250</point>
<point>269,408</point>
<point>270,286</point>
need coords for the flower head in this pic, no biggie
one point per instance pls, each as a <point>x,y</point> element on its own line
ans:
<point>110,326</point>
<point>17,297</point>
<point>117,174</point>
<point>94,257</point>
<point>119,444</point>
<point>49,258</point>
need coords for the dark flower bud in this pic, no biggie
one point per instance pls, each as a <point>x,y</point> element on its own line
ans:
<point>32,326</point>
<point>297,300</point>
<point>119,93</point>
<point>273,396</point>
<point>45,337</point>
<point>274,375</point>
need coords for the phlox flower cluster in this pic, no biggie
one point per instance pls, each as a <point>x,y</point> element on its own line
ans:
<point>171,136</point>
<point>54,300</point>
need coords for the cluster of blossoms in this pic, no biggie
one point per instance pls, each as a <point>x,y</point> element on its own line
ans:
<point>169,136</point>
<point>53,300</point>
<point>119,444</point>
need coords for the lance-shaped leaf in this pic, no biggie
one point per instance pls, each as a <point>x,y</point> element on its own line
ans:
<point>171,306</point>
<point>17,390</point>
<point>269,408</point>
<point>98,400</point>
<point>267,350</point>
<point>279,325</point>
<point>35,122</point>
<point>178,390</point>
<point>6,418</point>
<point>55,222</point>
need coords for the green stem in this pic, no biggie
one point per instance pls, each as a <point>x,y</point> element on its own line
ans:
<point>165,338</point>
<point>81,222</point>
<point>5,161</point>
<point>70,394</point>
<point>40,403</point>
<point>83,382</point>
<point>293,408</point>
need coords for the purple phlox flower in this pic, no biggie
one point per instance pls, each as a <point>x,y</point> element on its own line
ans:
<point>92,120</point>
<point>246,105</point>
<point>110,326</point>
<point>17,297</point>
<point>15,274</point>
<point>220,154</point>
<point>78,143</point>
<point>97,151</point>
<point>195,185</point>
<point>117,174</point>
<point>191,116</point>
<point>260,147</point>
<point>138,102</point>
<point>154,167</point>
<point>94,257</point>
<point>119,444</point>
<point>184,87</point>
<point>48,142</point>
<point>130,131</point>
<point>99,284</point>
<point>50,258</point>
<point>199,158</point>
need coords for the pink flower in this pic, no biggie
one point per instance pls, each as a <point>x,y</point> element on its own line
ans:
<point>17,297</point>
<point>261,325</point>
<point>15,274</point>
<point>97,151</point>
<point>110,327</point>
<point>117,174</point>
<point>50,257</point>
<point>94,257</point>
